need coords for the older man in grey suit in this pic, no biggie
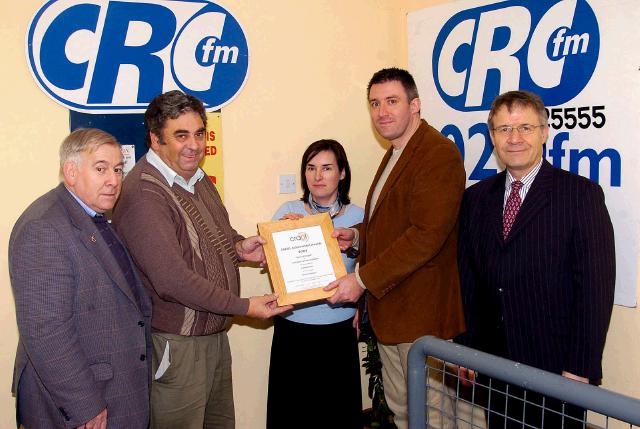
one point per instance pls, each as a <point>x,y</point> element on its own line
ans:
<point>82,314</point>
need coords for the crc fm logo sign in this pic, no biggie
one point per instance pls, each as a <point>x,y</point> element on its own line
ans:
<point>549,47</point>
<point>107,56</point>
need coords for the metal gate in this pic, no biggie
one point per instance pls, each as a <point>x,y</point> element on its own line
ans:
<point>503,394</point>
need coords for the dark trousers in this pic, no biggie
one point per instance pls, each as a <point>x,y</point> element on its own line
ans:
<point>528,411</point>
<point>314,377</point>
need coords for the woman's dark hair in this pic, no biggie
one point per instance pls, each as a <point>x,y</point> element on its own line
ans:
<point>343,165</point>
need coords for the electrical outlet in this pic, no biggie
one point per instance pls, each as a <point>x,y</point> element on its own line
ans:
<point>287,183</point>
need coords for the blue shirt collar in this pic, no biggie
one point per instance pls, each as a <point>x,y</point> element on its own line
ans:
<point>85,207</point>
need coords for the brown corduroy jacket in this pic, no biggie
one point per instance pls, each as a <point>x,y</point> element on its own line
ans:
<point>408,245</point>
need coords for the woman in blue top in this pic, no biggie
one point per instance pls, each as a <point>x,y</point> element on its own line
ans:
<point>314,376</point>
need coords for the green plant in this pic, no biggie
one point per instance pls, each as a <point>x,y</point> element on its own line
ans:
<point>381,416</point>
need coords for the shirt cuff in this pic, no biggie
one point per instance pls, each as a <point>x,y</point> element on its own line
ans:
<point>356,238</point>
<point>360,282</point>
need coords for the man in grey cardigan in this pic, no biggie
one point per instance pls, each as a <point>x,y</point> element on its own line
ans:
<point>174,223</point>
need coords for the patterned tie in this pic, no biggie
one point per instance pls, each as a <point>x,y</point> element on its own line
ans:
<point>511,208</point>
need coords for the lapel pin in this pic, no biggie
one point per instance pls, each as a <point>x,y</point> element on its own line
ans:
<point>93,239</point>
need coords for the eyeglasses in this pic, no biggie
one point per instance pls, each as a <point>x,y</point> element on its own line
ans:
<point>523,130</point>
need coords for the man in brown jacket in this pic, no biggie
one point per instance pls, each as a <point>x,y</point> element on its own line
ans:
<point>407,240</point>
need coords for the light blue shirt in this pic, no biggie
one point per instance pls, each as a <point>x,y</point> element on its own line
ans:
<point>171,176</point>
<point>319,312</point>
<point>91,212</point>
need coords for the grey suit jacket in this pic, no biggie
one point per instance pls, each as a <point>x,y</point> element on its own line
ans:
<point>83,336</point>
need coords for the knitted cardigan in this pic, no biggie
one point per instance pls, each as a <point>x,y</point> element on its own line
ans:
<point>183,245</point>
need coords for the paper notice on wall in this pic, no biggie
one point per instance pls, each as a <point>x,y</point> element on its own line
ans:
<point>129,157</point>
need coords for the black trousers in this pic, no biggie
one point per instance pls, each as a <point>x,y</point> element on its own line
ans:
<point>527,412</point>
<point>314,377</point>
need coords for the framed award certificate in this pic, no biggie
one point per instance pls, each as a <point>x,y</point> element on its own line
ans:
<point>303,257</point>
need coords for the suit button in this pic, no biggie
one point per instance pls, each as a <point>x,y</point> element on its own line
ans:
<point>142,357</point>
<point>141,323</point>
<point>500,290</point>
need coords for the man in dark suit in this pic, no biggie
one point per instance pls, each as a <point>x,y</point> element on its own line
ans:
<point>83,316</point>
<point>536,256</point>
<point>407,240</point>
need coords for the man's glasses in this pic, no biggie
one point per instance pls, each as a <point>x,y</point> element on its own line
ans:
<point>524,130</point>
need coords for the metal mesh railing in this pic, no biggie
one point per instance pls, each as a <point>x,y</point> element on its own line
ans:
<point>503,394</point>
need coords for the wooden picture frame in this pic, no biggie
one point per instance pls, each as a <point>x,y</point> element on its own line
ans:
<point>303,244</point>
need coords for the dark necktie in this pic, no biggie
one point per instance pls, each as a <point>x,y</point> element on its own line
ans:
<point>118,252</point>
<point>511,208</point>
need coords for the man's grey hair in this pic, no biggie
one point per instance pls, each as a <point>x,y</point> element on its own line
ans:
<point>522,99</point>
<point>83,140</point>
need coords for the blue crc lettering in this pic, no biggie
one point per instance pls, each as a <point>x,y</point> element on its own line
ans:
<point>226,51</point>
<point>539,46</point>
<point>479,172</point>
<point>569,43</point>
<point>556,153</point>
<point>116,56</point>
